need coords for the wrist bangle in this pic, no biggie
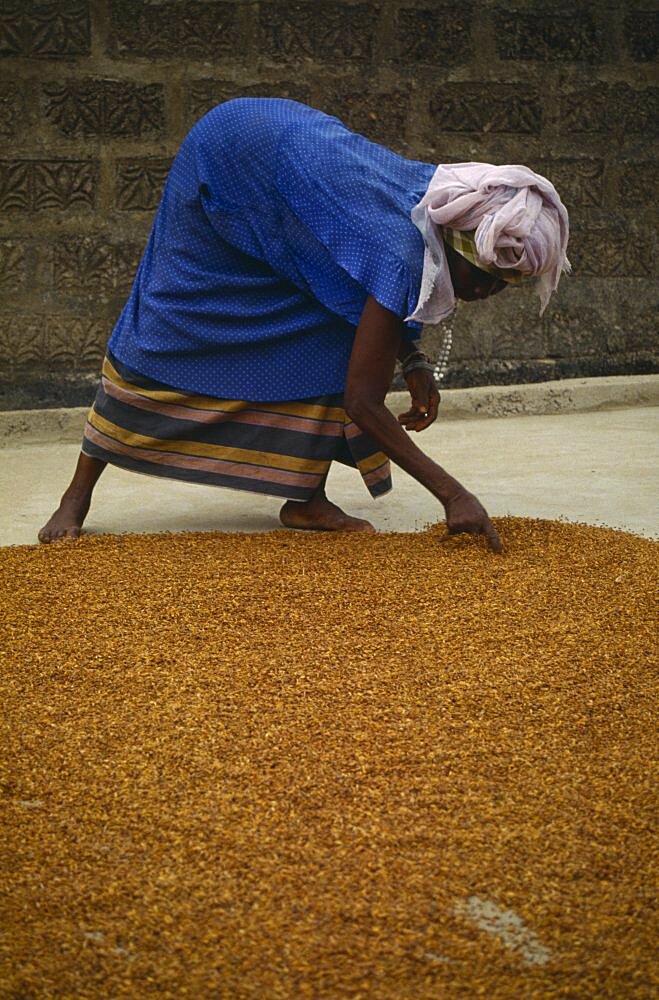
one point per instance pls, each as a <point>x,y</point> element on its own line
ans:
<point>414,365</point>
<point>413,354</point>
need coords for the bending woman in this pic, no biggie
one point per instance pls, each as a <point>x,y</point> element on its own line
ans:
<point>290,264</point>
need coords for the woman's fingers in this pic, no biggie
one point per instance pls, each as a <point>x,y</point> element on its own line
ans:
<point>422,413</point>
<point>492,536</point>
<point>465,514</point>
<point>433,407</point>
<point>425,401</point>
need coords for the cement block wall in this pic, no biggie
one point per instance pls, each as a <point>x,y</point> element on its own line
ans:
<point>96,95</point>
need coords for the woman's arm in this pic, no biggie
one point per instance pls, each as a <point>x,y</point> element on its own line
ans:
<point>377,343</point>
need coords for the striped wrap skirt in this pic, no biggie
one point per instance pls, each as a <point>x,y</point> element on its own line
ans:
<point>277,449</point>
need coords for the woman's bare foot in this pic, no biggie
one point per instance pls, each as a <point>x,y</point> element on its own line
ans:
<point>67,520</point>
<point>320,514</point>
<point>69,517</point>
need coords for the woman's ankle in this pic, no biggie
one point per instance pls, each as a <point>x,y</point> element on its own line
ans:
<point>76,496</point>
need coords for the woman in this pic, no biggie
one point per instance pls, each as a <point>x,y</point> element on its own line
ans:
<point>290,264</point>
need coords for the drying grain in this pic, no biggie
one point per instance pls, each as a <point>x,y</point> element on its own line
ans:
<point>285,766</point>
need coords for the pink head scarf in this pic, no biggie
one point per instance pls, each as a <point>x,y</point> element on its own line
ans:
<point>518,221</point>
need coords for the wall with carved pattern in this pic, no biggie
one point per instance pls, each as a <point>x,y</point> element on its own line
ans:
<point>95,96</point>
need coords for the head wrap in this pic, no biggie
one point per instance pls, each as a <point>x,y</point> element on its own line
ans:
<point>517,221</point>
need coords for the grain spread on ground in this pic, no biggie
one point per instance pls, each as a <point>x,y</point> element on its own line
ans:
<point>292,765</point>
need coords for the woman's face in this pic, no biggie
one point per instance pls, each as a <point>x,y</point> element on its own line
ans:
<point>469,282</point>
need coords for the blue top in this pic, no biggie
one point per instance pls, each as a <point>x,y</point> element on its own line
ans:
<point>275,224</point>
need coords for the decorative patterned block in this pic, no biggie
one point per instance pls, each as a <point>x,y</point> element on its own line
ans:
<point>33,185</point>
<point>606,108</point>
<point>15,185</point>
<point>11,108</point>
<point>22,341</point>
<point>638,306</point>
<point>519,337</point>
<point>610,251</point>
<point>205,94</point>
<point>140,183</point>
<point>638,185</point>
<point>380,117</point>
<point>200,30</point>
<point>80,265</point>
<point>578,182</point>
<point>13,265</point>
<point>324,31</point>
<point>574,333</point>
<point>125,261</point>
<point>549,36</point>
<point>92,266</point>
<point>345,31</point>
<point>287,30</point>
<point>104,107</point>
<point>74,344</point>
<point>60,184</point>
<point>51,342</point>
<point>642,31</point>
<point>48,29</point>
<point>506,326</point>
<point>586,110</point>
<point>435,36</point>
<point>486,107</point>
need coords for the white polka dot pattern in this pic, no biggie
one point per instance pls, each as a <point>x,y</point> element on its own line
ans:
<point>275,224</point>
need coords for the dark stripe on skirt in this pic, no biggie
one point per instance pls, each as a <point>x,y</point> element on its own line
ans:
<point>228,434</point>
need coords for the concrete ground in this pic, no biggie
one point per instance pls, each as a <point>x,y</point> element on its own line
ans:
<point>598,467</point>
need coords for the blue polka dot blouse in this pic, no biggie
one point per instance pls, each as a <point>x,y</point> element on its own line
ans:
<point>275,224</point>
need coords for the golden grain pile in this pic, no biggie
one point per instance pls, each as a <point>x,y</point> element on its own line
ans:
<point>294,765</point>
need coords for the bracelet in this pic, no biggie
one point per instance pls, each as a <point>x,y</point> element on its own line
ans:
<point>414,365</point>
<point>414,354</point>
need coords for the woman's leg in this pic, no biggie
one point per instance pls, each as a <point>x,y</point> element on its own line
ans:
<point>68,519</point>
<point>320,514</point>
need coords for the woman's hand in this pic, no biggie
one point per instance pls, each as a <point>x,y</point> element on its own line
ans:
<point>425,401</point>
<point>465,513</point>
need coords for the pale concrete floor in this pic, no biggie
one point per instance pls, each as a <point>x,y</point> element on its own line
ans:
<point>599,468</point>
